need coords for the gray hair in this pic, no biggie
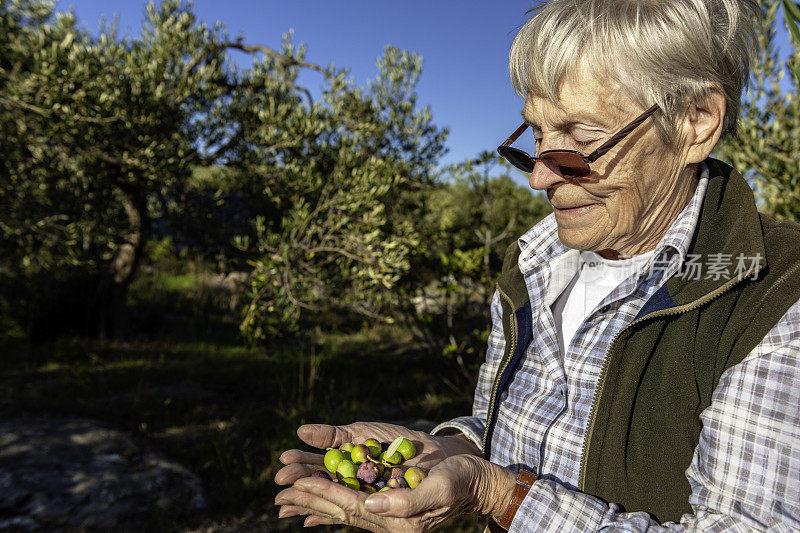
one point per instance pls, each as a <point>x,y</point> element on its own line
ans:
<point>665,52</point>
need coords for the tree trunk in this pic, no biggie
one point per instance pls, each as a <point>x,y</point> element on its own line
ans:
<point>113,289</point>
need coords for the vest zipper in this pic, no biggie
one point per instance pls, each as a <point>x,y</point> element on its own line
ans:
<point>504,364</point>
<point>601,380</point>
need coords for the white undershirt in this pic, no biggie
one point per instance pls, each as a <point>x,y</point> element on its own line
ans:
<point>595,280</point>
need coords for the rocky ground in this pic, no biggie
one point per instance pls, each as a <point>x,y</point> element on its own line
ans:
<point>77,474</point>
<point>71,473</point>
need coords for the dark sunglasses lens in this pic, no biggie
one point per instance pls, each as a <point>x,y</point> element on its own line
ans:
<point>516,157</point>
<point>567,164</point>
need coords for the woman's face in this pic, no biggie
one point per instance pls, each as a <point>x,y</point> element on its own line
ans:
<point>634,192</point>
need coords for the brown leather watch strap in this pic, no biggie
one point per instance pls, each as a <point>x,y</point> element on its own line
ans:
<point>525,480</point>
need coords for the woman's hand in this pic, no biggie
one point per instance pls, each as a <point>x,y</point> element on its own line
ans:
<point>457,485</point>
<point>431,450</point>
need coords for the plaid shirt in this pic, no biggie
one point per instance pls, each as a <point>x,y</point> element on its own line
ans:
<point>745,473</point>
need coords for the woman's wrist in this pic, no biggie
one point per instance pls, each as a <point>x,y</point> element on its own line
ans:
<point>456,443</point>
<point>497,488</point>
<point>466,446</point>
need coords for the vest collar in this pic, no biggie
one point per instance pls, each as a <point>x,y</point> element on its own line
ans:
<point>729,224</point>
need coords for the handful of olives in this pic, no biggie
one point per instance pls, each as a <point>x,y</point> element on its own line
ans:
<point>372,466</point>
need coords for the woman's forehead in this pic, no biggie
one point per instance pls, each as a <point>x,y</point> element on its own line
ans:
<point>582,99</point>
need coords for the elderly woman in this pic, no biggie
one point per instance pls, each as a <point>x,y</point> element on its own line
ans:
<point>644,363</point>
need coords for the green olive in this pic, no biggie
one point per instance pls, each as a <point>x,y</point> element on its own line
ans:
<point>350,482</point>
<point>346,469</point>
<point>332,459</point>
<point>407,449</point>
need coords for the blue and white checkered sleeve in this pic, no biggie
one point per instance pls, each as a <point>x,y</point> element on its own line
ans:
<point>745,473</point>
<point>475,425</point>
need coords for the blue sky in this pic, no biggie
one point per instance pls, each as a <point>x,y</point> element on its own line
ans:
<point>464,44</point>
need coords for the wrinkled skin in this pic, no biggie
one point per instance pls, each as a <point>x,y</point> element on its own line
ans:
<point>635,191</point>
<point>458,482</point>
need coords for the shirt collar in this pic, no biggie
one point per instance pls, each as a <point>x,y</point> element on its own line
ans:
<point>541,244</point>
<point>679,236</point>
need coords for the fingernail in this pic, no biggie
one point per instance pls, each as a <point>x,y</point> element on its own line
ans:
<point>377,504</point>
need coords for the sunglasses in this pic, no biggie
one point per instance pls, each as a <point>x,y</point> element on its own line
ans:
<point>566,163</point>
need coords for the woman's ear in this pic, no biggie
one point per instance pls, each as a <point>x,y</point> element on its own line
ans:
<point>703,125</point>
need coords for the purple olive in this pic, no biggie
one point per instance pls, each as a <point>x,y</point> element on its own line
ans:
<point>368,472</point>
<point>397,483</point>
<point>393,472</point>
<point>323,474</point>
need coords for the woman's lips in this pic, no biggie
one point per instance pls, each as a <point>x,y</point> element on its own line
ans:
<point>573,210</point>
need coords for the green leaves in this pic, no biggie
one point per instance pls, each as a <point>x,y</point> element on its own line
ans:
<point>766,147</point>
<point>791,15</point>
<point>342,240</point>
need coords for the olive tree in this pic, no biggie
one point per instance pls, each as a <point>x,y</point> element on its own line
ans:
<point>767,144</point>
<point>346,229</point>
<point>102,136</point>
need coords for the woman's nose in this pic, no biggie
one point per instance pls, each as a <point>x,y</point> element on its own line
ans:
<point>542,177</point>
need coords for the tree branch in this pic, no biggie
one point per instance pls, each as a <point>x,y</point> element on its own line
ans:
<point>283,61</point>
<point>11,101</point>
<point>293,299</point>
<point>274,54</point>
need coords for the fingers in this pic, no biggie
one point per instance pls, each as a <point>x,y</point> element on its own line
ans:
<point>302,502</point>
<point>314,520</point>
<point>322,435</point>
<point>327,436</point>
<point>330,503</point>
<point>289,474</point>
<point>383,432</point>
<point>288,511</point>
<point>404,503</point>
<point>347,505</point>
<point>299,456</point>
<point>392,503</point>
<point>299,464</point>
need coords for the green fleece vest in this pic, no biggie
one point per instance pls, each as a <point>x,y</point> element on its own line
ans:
<point>661,370</point>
